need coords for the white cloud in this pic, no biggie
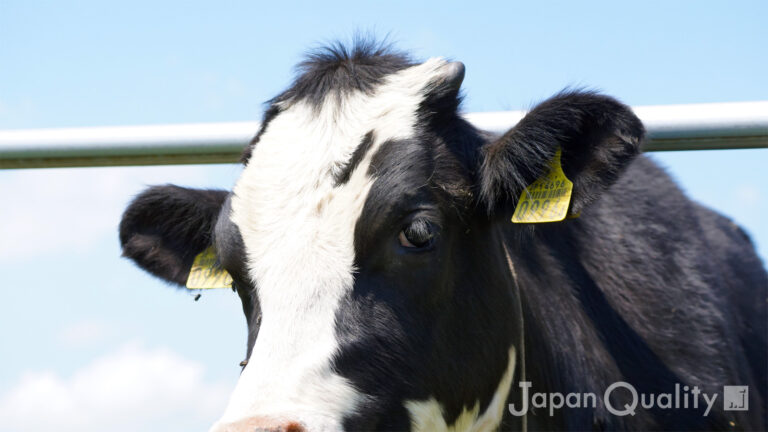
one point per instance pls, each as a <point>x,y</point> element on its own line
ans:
<point>131,389</point>
<point>66,210</point>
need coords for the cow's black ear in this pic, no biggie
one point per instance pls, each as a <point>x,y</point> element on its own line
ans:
<point>441,98</point>
<point>165,227</point>
<point>598,135</point>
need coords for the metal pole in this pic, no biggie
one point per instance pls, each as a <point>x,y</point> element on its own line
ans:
<point>736,125</point>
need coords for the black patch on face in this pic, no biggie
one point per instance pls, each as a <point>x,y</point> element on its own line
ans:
<point>232,256</point>
<point>342,176</point>
<point>422,324</point>
<point>229,243</point>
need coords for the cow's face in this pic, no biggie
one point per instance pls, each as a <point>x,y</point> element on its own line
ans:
<point>377,291</point>
<point>350,213</point>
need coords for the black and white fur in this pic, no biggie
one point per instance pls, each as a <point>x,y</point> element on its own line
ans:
<point>351,329</point>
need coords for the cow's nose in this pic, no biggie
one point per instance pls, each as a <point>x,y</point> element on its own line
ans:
<point>260,424</point>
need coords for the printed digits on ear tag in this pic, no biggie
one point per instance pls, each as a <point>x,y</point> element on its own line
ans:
<point>553,188</point>
<point>206,273</point>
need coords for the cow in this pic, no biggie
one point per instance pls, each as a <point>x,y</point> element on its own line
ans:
<point>385,286</point>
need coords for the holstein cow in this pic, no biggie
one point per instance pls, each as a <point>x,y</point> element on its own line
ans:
<point>386,288</point>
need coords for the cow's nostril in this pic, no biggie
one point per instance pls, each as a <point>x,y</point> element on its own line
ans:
<point>260,424</point>
<point>288,427</point>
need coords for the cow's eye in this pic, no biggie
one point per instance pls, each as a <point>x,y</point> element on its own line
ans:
<point>419,234</point>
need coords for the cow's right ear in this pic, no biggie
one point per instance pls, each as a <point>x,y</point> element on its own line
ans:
<point>165,227</point>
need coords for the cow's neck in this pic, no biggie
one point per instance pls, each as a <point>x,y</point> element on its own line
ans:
<point>563,349</point>
<point>552,322</point>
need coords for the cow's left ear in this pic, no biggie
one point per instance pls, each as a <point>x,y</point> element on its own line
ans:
<point>598,135</point>
<point>165,227</point>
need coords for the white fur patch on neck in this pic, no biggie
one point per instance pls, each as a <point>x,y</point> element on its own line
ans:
<point>427,416</point>
<point>298,231</point>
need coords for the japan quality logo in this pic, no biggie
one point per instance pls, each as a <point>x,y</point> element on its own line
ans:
<point>736,398</point>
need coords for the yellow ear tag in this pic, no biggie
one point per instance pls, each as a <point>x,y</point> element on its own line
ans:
<point>206,273</point>
<point>547,198</point>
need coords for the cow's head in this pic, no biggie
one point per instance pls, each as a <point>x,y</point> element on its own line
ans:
<point>366,239</point>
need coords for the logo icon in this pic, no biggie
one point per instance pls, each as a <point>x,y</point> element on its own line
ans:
<point>736,398</point>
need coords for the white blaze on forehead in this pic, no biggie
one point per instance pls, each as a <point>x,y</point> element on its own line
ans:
<point>427,415</point>
<point>298,231</point>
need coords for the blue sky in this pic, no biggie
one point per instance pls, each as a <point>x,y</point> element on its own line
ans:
<point>89,342</point>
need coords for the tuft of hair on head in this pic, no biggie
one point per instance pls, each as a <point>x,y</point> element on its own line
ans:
<point>333,70</point>
<point>338,68</point>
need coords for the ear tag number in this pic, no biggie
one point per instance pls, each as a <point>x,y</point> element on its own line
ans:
<point>206,273</point>
<point>546,199</point>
